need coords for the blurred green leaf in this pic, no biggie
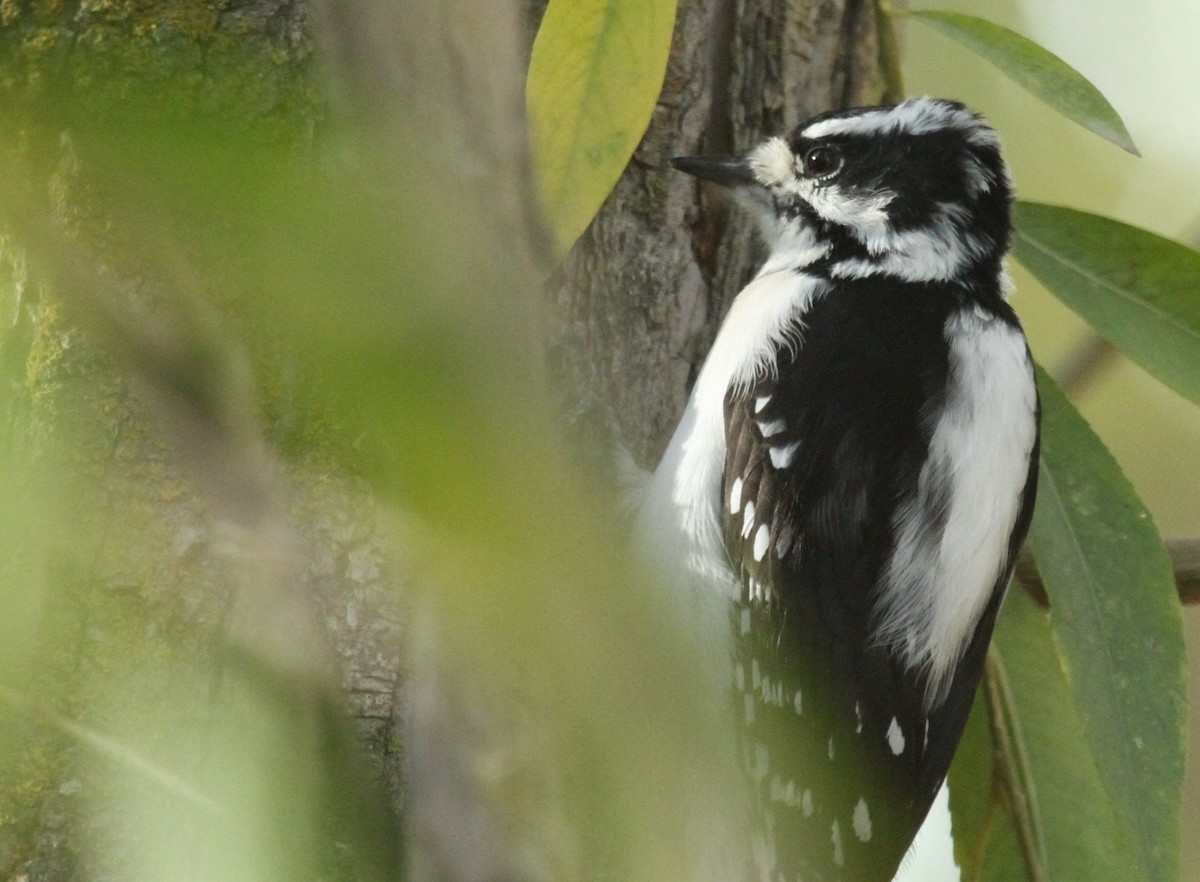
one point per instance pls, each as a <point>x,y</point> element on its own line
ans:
<point>595,74</point>
<point>1139,290</point>
<point>1035,69</point>
<point>1117,633</point>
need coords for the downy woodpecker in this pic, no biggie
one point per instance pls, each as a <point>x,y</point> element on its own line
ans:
<point>854,474</point>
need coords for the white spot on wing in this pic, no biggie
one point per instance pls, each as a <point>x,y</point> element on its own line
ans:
<point>772,428</point>
<point>862,821</point>
<point>735,497</point>
<point>783,542</point>
<point>748,520</point>
<point>745,620</point>
<point>781,457</point>
<point>806,802</point>
<point>760,402</point>
<point>895,737</point>
<point>836,838</point>
<point>762,539</point>
<point>798,703</point>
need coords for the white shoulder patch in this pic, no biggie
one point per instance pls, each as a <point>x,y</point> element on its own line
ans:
<point>939,582</point>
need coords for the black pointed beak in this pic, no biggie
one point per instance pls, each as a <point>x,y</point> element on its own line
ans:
<point>728,171</point>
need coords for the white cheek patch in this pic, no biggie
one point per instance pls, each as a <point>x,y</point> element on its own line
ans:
<point>863,213</point>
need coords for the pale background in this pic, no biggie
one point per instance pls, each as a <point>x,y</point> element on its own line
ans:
<point>1143,57</point>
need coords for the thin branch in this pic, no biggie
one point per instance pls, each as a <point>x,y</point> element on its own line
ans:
<point>1185,562</point>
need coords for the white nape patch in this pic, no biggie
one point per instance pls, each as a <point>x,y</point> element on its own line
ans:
<point>938,252</point>
<point>862,821</point>
<point>761,402</point>
<point>836,838</point>
<point>762,540</point>
<point>783,542</point>
<point>895,737</point>
<point>916,116</point>
<point>938,583</point>
<point>774,427</point>
<point>748,520</point>
<point>806,802</point>
<point>735,497</point>
<point>781,457</point>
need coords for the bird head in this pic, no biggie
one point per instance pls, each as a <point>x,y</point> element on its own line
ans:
<point>917,190</point>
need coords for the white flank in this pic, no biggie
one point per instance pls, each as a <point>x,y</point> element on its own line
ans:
<point>938,585</point>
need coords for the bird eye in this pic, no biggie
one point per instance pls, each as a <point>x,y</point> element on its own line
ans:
<point>822,161</point>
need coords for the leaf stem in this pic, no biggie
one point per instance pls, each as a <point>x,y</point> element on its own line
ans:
<point>1010,763</point>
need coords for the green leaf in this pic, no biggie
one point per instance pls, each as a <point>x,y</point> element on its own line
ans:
<point>1139,290</point>
<point>1117,632</point>
<point>1052,766</point>
<point>1035,69</point>
<point>594,76</point>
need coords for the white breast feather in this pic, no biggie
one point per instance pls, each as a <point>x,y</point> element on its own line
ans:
<point>937,586</point>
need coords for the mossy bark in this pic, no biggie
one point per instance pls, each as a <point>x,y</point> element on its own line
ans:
<point>142,578</point>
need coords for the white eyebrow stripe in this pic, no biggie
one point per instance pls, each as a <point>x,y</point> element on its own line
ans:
<point>916,116</point>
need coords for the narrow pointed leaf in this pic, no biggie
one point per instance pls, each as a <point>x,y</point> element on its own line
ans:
<point>594,76</point>
<point>1117,632</point>
<point>1139,290</point>
<point>1035,69</point>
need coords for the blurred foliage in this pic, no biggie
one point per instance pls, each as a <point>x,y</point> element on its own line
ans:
<point>190,274</point>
